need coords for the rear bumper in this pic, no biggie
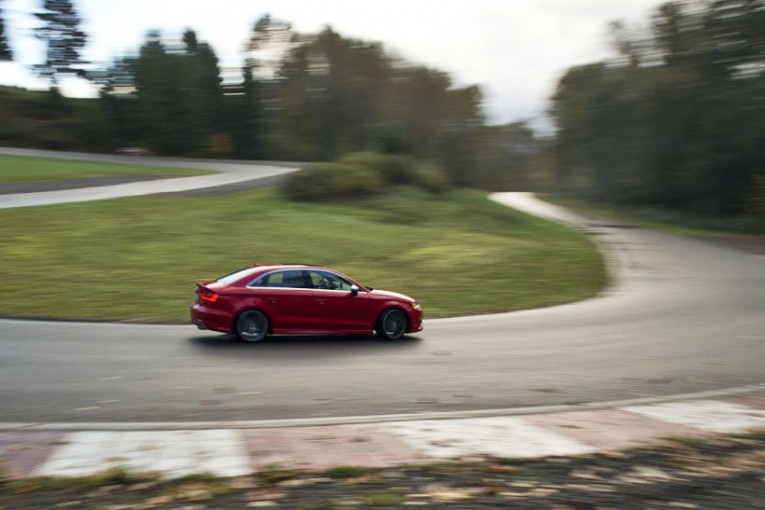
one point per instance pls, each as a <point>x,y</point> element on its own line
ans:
<point>208,318</point>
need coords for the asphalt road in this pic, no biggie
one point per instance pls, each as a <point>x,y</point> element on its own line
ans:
<point>683,315</point>
<point>241,174</point>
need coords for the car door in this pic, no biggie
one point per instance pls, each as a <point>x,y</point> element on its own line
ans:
<point>287,299</point>
<point>336,307</point>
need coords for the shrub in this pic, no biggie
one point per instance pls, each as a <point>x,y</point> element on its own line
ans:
<point>362,174</point>
<point>331,181</point>
<point>429,177</point>
<point>391,169</point>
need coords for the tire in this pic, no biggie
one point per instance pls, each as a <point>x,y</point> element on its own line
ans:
<point>252,326</point>
<point>392,324</point>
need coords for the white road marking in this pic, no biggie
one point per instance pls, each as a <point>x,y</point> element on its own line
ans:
<point>711,415</point>
<point>171,453</point>
<point>503,437</point>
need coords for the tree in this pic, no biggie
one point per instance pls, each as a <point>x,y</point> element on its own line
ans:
<point>118,103</point>
<point>5,49</point>
<point>339,95</point>
<point>202,81</point>
<point>270,41</point>
<point>245,116</point>
<point>677,120</point>
<point>64,40</point>
<point>179,98</point>
<point>508,154</point>
<point>332,94</point>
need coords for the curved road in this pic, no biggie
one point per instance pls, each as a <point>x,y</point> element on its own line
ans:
<point>228,173</point>
<point>682,316</point>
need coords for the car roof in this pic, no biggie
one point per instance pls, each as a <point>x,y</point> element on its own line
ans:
<point>256,270</point>
<point>270,267</point>
<point>261,269</point>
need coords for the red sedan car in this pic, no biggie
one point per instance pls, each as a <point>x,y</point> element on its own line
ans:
<point>278,299</point>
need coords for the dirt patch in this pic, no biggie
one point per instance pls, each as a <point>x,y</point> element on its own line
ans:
<point>718,474</point>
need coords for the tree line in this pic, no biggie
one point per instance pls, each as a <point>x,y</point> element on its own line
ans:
<point>329,95</point>
<point>325,96</point>
<point>677,120</point>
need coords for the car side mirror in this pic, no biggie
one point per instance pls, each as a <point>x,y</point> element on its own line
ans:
<point>355,290</point>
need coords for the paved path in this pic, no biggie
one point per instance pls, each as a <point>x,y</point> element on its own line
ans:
<point>228,173</point>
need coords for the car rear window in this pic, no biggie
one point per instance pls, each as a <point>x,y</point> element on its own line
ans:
<point>237,275</point>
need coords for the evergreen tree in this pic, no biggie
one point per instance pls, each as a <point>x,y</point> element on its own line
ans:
<point>246,118</point>
<point>179,97</point>
<point>5,49</point>
<point>63,38</point>
<point>205,97</point>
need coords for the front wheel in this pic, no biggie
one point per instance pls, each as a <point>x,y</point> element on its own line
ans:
<point>252,326</point>
<point>392,324</point>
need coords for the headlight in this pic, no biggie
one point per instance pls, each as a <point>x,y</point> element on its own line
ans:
<point>417,306</point>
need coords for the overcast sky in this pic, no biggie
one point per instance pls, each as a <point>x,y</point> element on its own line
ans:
<point>514,49</point>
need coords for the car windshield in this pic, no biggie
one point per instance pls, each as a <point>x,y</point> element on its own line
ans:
<point>237,275</point>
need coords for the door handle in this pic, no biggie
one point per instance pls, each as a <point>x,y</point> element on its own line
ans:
<point>321,301</point>
<point>273,301</point>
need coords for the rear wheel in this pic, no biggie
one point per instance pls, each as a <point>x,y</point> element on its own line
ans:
<point>252,326</point>
<point>392,324</point>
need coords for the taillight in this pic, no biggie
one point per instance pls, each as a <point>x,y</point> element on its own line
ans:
<point>207,296</point>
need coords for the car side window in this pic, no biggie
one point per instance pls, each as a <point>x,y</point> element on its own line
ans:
<point>328,281</point>
<point>286,279</point>
<point>294,280</point>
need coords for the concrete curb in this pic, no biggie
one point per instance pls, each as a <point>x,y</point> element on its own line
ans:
<point>248,447</point>
<point>373,419</point>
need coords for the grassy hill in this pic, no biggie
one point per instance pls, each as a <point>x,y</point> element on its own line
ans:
<point>137,259</point>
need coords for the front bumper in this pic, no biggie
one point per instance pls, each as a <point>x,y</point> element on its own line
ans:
<point>415,322</point>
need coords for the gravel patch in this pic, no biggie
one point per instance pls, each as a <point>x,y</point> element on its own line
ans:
<point>720,474</point>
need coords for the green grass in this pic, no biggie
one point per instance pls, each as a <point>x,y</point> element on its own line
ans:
<point>116,476</point>
<point>27,169</point>
<point>383,499</point>
<point>137,259</point>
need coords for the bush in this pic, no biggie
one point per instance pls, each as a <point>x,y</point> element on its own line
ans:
<point>362,174</point>
<point>429,177</point>
<point>392,169</point>
<point>331,181</point>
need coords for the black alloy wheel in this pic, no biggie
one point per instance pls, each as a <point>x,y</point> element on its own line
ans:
<point>252,326</point>
<point>392,324</point>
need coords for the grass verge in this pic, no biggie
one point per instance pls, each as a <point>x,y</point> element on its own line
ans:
<point>674,222</point>
<point>29,169</point>
<point>136,259</point>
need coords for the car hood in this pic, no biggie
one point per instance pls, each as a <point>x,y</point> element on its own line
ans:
<point>386,294</point>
